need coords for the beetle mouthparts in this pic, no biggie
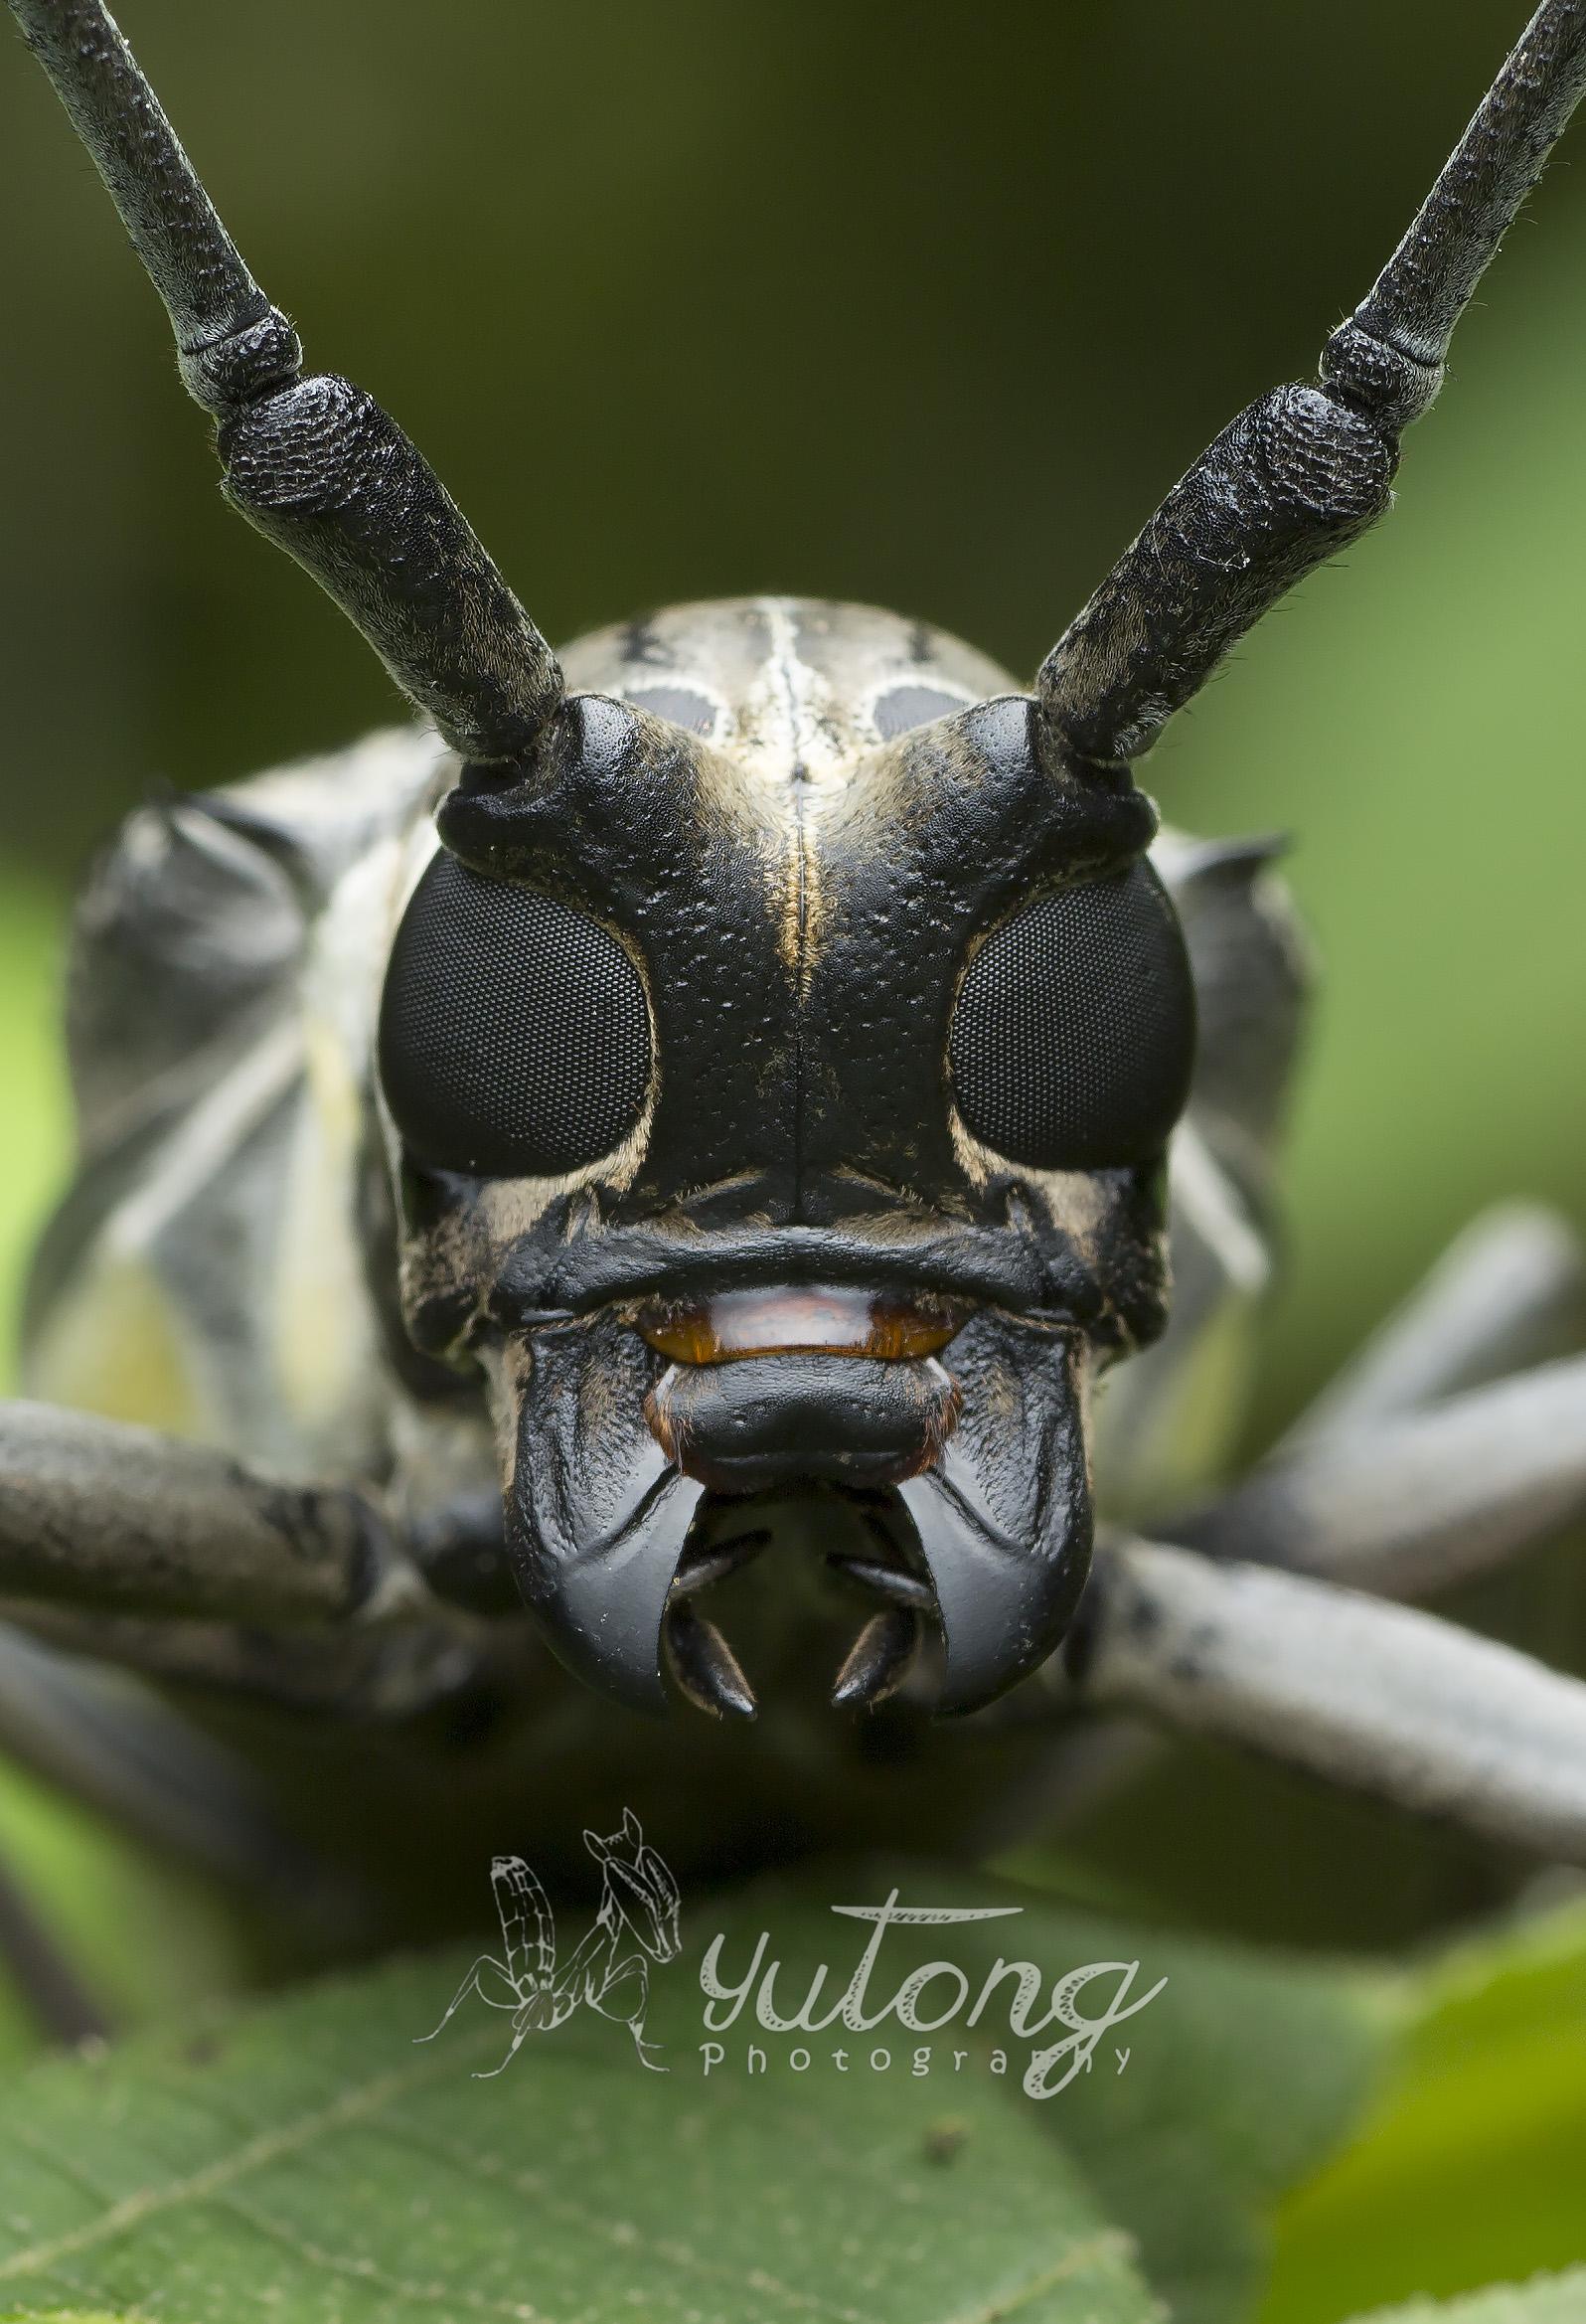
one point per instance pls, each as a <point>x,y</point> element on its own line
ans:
<point>982,1473</point>
<point>764,1421</point>
<point>834,1319</point>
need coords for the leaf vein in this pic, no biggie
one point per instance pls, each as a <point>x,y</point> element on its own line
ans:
<point>527,2181</point>
<point>269,2147</point>
<point>365,2272</point>
<point>1110,2244</point>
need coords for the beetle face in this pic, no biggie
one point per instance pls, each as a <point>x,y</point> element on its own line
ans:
<point>781,1073</point>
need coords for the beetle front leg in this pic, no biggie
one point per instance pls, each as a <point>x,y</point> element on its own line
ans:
<point>366,1672</point>
<point>1509,1292</point>
<point>101,1736</point>
<point>1429,1499</point>
<point>1382,1698</point>
<point>100,1515</point>
<point>1393,1482</point>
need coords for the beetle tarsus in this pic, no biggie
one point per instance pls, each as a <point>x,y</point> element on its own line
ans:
<point>706,1667</point>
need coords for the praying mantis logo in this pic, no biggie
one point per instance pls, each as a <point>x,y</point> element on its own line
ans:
<point>635,1923</point>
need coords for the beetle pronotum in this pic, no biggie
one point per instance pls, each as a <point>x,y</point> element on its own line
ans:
<point>729,1087</point>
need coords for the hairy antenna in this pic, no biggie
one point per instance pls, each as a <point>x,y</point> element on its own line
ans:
<point>1305,469</point>
<point>314,464</point>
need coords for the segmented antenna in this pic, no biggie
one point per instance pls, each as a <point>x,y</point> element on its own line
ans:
<point>1390,354</point>
<point>314,464</point>
<point>1307,469</point>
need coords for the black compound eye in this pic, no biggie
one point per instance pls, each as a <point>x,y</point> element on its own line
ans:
<point>1073,1034</point>
<point>514,1034</point>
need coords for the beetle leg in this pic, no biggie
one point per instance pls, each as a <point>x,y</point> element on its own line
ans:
<point>1430,1498</point>
<point>346,1674</point>
<point>1382,1486</point>
<point>43,1975</point>
<point>104,1739</point>
<point>94,1513</point>
<point>1383,1698</point>
<point>1510,1290</point>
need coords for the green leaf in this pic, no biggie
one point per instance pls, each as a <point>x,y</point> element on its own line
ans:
<point>1546,2299</point>
<point>1472,2167</point>
<point>61,2316</point>
<point>307,2155</point>
<point>1241,2081</point>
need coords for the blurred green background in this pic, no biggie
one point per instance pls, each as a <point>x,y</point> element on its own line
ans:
<point>911,306</point>
<point>925,306</point>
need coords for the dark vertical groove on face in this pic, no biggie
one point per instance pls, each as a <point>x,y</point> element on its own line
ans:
<point>800,960</point>
<point>799,795</point>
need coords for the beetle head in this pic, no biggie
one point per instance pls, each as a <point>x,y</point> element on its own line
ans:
<point>781,1067</point>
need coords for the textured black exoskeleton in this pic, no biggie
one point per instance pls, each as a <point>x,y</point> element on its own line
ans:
<point>730,1090</point>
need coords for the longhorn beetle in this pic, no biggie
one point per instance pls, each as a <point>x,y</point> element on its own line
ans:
<point>702,1114</point>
